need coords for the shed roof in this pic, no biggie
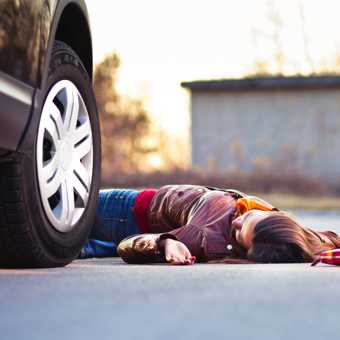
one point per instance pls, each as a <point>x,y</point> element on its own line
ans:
<point>264,83</point>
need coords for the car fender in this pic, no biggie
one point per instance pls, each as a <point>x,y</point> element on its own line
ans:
<point>57,29</point>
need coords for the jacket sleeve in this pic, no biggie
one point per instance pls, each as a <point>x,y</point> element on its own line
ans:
<point>193,238</point>
<point>192,233</point>
<point>142,248</point>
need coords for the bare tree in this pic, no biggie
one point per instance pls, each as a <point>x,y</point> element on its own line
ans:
<point>125,123</point>
<point>261,67</point>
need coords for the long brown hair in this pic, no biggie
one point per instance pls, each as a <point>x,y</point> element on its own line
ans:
<point>280,239</point>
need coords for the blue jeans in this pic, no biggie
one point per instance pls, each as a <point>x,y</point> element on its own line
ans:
<point>114,221</point>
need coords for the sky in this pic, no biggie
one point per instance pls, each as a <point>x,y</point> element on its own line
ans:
<point>163,43</point>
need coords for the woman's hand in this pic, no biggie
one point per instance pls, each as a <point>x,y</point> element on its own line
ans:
<point>176,252</point>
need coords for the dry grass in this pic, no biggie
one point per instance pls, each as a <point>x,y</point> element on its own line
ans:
<point>285,191</point>
<point>290,201</point>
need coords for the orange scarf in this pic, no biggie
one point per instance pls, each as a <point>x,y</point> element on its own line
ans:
<point>245,204</point>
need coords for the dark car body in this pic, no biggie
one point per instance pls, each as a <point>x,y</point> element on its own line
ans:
<point>50,142</point>
<point>27,31</point>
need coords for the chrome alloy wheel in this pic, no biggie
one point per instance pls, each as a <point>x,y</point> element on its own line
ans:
<point>64,156</point>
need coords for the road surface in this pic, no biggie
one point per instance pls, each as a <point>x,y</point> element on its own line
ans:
<point>108,299</point>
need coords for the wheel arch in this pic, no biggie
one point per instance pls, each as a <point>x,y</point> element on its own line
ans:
<point>73,30</point>
<point>69,24</point>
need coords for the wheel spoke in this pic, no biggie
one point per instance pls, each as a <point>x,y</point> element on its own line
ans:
<point>70,200</point>
<point>66,97</point>
<point>82,131</point>
<point>75,112</point>
<point>52,130</point>
<point>51,188</point>
<point>64,204</point>
<point>82,175</point>
<point>71,108</point>
<point>83,148</point>
<point>56,115</point>
<point>80,190</point>
<point>50,168</point>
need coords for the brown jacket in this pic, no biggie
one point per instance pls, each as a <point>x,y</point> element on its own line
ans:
<point>199,217</point>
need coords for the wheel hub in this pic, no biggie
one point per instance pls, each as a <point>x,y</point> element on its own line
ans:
<point>65,156</point>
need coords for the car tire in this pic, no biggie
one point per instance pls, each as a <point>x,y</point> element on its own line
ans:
<point>48,197</point>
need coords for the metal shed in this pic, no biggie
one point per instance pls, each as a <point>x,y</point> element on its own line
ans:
<point>277,124</point>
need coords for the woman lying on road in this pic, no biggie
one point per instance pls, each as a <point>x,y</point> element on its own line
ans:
<point>185,223</point>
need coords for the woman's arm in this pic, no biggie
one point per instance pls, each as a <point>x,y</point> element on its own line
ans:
<point>150,248</point>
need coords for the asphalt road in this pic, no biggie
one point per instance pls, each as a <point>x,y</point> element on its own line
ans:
<point>108,299</point>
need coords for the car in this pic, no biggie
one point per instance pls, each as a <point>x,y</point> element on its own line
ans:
<point>50,144</point>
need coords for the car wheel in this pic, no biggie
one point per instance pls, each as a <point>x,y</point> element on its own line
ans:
<point>48,197</point>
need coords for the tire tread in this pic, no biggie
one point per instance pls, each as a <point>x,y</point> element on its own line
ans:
<point>18,246</point>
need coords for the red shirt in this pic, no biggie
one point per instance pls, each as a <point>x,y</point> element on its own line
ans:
<point>141,207</point>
